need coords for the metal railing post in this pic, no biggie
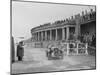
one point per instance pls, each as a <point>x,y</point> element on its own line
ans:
<point>77,48</point>
<point>86,51</point>
<point>67,48</point>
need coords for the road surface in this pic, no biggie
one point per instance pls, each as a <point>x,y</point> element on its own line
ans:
<point>35,60</point>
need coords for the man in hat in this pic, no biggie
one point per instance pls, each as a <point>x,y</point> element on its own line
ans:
<point>20,51</point>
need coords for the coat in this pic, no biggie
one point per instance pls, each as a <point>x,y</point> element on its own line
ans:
<point>20,51</point>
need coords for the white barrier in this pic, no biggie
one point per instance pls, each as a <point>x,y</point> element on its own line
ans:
<point>69,48</point>
<point>77,48</point>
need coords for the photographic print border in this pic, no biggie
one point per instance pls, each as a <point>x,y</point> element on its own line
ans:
<point>44,3</point>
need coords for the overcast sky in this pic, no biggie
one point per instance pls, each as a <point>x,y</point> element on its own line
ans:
<point>26,15</point>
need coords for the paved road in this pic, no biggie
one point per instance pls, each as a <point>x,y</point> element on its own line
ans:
<point>35,60</point>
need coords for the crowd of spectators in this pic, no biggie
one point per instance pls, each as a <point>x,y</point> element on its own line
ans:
<point>86,37</point>
<point>86,16</point>
<point>89,38</point>
<point>70,21</point>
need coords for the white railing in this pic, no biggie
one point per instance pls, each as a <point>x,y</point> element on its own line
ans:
<point>69,48</point>
<point>76,49</point>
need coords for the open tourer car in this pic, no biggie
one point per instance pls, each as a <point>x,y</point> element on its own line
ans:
<point>54,53</point>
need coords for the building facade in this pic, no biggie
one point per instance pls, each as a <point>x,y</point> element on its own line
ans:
<point>62,30</point>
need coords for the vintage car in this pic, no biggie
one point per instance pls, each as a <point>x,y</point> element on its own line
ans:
<point>54,52</point>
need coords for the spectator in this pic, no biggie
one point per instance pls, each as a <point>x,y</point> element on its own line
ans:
<point>93,40</point>
<point>20,51</point>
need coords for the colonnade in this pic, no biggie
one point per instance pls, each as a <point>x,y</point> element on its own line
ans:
<point>52,34</point>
